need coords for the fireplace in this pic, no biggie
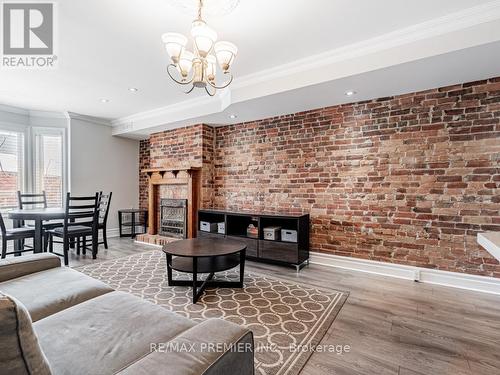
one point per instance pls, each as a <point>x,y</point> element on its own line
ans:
<point>173,201</point>
<point>173,218</point>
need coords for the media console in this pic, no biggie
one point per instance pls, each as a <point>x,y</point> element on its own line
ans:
<point>258,248</point>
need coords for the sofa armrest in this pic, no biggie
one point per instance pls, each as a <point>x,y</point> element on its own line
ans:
<point>11,268</point>
<point>213,347</point>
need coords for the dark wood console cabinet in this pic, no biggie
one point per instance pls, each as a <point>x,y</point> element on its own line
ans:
<point>278,251</point>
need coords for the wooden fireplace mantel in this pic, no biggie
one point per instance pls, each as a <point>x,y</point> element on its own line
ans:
<point>189,176</point>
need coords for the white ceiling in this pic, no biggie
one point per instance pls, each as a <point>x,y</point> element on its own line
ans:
<point>107,46</point>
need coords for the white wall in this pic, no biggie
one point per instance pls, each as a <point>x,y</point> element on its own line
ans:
<point>100,161</point>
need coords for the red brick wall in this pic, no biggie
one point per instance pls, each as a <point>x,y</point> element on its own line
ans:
<point>53,190</point>
<point>409,179</point>
<point>8,189</point>
<point>144,163</point>
<point>184,146</point>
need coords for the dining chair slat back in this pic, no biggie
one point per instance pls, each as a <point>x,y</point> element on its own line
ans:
<point>31,200</point>
<point>81,211</point>
<point>104,204</point>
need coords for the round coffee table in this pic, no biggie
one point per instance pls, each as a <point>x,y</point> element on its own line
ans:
<point>205,255</point>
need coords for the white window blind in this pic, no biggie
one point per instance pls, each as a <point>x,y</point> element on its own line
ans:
<point>11,167</point>
<point>48,166</point>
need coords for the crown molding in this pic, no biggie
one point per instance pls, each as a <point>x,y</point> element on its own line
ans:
<point>327,66</point>
<point>14,110</point>
<point>48,114</point>
<point>90,119</point>
<point>32,113</point>
<point>186,110</point>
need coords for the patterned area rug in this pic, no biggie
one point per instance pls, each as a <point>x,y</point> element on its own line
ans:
<point>287,319</point>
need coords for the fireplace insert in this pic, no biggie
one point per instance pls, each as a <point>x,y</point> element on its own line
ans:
<point>173,218</point>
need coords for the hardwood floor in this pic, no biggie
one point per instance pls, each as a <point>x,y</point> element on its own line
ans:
<point>392,326</point>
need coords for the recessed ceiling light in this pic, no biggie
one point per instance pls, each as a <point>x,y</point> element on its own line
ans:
<point>104,100</point>
<point>232,116</point>
<point>350,93</point>
<point>133,89</point>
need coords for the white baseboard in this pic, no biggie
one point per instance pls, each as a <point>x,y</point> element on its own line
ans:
<point>147,243</point>
<point>452,279</point>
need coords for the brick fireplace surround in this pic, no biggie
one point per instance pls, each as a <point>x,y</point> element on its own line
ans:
<point>409,179</point>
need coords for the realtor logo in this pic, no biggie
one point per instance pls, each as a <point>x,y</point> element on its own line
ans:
<point>28,35</point>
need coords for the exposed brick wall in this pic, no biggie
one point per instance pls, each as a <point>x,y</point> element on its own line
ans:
<point>409,179</point>
<point>179,147</point>
<point>144,163</point>
<point>8,189</point>
<point>207,173</point>
<point>53,190</point>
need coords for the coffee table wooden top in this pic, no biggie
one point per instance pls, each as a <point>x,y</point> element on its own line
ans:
<point>204,247</point>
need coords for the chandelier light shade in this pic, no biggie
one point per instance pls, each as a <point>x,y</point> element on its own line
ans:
<point>204,37</point>
<point>185,63</point>
<point>174,44</point>
<point>199,68</point>
<point>225,52</point>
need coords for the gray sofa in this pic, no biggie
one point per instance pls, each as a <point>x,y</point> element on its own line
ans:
<point>55,320</point>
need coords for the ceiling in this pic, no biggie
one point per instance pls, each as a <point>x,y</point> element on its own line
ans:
<point>287,49</point>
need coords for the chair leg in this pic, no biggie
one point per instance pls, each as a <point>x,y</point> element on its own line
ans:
<point>66,251</point>
<point>105,237</point>
<point>4,247</point>
<point>95,241</point>
<point>45,242</point>
<point>18,247</point>
<point>84,241</point>
<point>78,247</point>
<point>72,243</point>
<point>51,243</point>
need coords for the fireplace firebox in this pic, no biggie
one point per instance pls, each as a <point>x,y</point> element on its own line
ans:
<point>173,218</point>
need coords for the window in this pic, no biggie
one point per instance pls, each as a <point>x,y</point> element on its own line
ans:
<point>12,176</point>
<point>49,165</point>
<point>32,159</point>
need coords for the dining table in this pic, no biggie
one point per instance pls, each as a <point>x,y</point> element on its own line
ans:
<point>38,215</point>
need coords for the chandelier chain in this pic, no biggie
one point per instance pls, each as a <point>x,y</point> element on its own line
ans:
<point>200,6</point>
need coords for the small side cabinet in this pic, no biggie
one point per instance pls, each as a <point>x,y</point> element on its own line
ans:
<point>130,219</point>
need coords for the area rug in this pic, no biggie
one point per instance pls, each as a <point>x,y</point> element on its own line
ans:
<point>287,319</point>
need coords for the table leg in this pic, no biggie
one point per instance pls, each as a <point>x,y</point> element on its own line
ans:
<point>169,269</point>
<point>195,279</point>
<point>18,244</point>
<point>242,267</point>
<point>38,241</point>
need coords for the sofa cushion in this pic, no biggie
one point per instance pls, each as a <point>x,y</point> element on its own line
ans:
<point>213,347</point>
<point>20,352</point>
<point>47,292</point>
<point>105,334</point>
<point>10,268</point>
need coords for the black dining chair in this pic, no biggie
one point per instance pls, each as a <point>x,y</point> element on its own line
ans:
<point>27,201</point>
<point>81,220</point>
<point>105,202</point>
<point>16,234</point>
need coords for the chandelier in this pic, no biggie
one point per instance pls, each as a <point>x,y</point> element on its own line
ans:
<point>199,68</point>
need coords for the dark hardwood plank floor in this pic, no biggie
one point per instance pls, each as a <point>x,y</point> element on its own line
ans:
<point>392,326</point>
